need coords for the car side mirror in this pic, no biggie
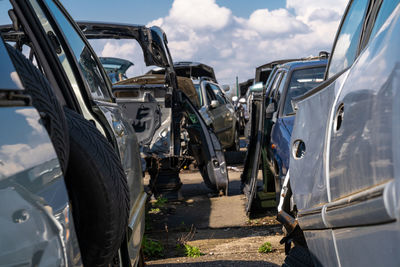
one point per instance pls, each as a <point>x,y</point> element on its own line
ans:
<point>269,111</point>
<point>226,88</point>
<point>214,103</point>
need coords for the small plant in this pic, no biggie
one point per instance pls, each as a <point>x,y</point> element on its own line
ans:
<point>154,211</point>
<point>161,201</point>
<point>192,252</point>
<point>152,248</point>
<point>265,248</point>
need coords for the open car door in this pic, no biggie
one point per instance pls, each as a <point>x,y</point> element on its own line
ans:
<point>160,113</point>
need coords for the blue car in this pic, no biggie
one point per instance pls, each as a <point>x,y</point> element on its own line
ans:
<point>289,80</point>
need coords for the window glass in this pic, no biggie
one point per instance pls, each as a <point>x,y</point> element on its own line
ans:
<point>210,94</point>
<point>385,10</point>
<point>275,83</point>
<point>199,93</point>
<point>218,93</point>
<point>280,88</point>
<point>301,82</point>
<point>87,63</point>
<point>344,52</point>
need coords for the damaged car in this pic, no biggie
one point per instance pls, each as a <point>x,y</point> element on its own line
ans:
<point>103,169</point>
<point>170,129</point>
<point>340,201</point>
<point>35,212</point>
<point>272,116</point>
<point>298,77</point>
<point>218,112</point>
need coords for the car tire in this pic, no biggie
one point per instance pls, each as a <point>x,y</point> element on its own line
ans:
<point>298,257</point>
<point>45,102</point>
<point>99,192</point>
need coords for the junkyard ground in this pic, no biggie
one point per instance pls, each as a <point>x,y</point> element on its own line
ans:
<point>218,226</point>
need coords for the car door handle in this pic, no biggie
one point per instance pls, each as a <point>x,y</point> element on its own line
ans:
<point>298,149</point>
<point>337,123</point>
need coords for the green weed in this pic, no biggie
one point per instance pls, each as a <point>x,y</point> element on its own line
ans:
<point>265,248</point>
<point>192,252</point>
<point>152,248</point>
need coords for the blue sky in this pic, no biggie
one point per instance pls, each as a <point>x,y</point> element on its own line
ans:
<point>141,12</point>
<point>233,36</point>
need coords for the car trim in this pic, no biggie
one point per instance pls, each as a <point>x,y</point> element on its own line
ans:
<point>370,207</point>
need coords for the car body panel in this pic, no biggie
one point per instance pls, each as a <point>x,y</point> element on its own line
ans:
<point>150,39</point>
<point>189,69</point>
<point>35,214</point>
<point>350,173</point>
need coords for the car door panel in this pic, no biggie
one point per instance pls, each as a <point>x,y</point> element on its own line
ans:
<point>207,149</point>
<point>308,178</point>
<point>361,150</point>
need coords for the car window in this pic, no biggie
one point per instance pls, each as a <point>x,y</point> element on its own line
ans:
<point>87,63</point>
<point>385,10</point>
<point>199,94</point>
<point>344,52</point>
<point>210,93</point>
<point>279,91</point>
<point>275,83</point>
<point>218,93</point>
<point>301,81</point>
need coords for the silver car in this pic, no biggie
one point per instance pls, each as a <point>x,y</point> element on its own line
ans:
<point>341,198</point>
<point>104,171</point>
<point>36,220</point>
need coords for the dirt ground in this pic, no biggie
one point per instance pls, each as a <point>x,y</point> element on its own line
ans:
<point>218,226</point>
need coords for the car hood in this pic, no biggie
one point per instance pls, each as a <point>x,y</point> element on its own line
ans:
<point>184,84</point>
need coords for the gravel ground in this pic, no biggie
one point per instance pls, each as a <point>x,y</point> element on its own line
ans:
<point>217,226</point>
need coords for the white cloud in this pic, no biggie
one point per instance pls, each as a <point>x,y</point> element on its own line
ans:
<point>33,119</point>
<point>199,14</point>
<point>18,157</point>
<point>275,22</point>
<point>201,30</point>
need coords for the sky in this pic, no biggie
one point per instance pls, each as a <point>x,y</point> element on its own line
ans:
<point>232,36</point>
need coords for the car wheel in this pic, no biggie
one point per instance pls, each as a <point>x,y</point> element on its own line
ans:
<point>298,257</point>
<point>99,192</point>
<point>45,102</point>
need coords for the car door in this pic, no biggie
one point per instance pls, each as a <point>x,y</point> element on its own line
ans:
<point>228,115</point>
<point>309,179</point>
<point>216,114</point>
<point>363,149</point>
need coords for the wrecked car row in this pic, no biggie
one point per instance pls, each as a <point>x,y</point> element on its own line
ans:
<point>339,201</point>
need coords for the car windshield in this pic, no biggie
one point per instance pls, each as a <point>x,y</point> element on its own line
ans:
<point>301,82</point>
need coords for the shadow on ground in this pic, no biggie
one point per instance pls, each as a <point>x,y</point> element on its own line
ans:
<point>219,263</point>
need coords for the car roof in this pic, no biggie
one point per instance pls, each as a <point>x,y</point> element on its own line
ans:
<point>303,63</point>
